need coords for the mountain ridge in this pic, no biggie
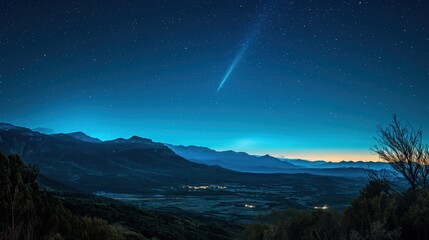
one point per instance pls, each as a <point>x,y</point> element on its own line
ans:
<point>244,162</point>
<point>125,165</point>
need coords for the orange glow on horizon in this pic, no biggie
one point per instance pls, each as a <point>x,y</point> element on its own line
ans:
<point>331,156</point>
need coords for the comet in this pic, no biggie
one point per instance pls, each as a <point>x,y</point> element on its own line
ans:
<point>234,63</point>
<point>244,48</point>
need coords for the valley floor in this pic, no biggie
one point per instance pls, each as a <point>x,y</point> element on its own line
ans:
<point>237,202</point>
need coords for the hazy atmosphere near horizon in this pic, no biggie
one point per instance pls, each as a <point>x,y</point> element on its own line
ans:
<point>294,79</point>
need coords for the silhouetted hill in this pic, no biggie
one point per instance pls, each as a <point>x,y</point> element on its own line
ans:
<point>128,165</point>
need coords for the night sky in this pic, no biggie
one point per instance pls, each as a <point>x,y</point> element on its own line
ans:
<point>308,79</point>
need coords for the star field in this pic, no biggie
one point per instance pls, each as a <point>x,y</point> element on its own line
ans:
<point>315,83</point>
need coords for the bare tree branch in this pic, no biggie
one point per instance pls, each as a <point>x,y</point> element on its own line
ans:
<point>402,147</point>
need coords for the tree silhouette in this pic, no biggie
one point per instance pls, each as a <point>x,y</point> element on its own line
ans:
<point>20,198</point>
<point>27,213</point>
<point>401,146</point>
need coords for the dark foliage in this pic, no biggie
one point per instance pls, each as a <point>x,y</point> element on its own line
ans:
<point>29,213</point>
<point>294,224</point>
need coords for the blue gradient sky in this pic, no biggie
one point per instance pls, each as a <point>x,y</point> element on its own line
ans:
<point>315,83</point>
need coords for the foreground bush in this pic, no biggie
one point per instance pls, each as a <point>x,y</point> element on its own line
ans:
<point>376,214</point>
<point>29,213</point>
<point>294,224</point>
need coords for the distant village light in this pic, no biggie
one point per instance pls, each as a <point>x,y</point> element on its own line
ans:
<point>324,207</point>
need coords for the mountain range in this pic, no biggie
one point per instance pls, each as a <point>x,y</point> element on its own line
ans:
<point>80,162</point>
<point>243,162</point>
